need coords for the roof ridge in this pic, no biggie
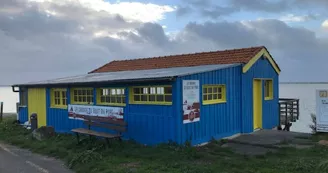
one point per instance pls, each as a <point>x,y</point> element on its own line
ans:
<point>186,54</point>
<point>153,61</point>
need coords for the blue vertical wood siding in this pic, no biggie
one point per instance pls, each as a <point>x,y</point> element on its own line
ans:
<point>23,114</point>
<point>216,120</point>
<point>147,124</point>
<point>270,115</point>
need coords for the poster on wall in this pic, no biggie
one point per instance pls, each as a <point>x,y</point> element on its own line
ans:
<point>322,110</point>
<point>81,112</point>
<point>191,101</point>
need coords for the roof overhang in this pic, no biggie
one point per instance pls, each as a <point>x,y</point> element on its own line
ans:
<point>263,53</point>
<point>96,83</point>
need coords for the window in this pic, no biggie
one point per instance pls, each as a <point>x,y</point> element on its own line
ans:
<point>23,97</point>
<point>214,94</point>
<point>111,96</point>
<point>161,95</point>
<point>268,89</point>
<point>59,98</point>
<point>82,95</point>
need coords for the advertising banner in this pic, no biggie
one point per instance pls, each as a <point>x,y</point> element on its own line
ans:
<point>322,110</point>
<point>191,101</point>
<point>80,112</point>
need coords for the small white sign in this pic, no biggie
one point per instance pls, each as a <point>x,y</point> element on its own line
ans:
<point>322,110</point>
<point>78,112</point>
<point>191,101</point>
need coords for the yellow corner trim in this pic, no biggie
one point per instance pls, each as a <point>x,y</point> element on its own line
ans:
<point>264,53</point>
<point>214,102</point>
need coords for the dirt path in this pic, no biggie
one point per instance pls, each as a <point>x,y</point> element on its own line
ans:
<point>263,141</point>
<point>16,160</point>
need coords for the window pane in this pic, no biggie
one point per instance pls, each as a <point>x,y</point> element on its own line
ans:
<point>113,91</point>
<point>64,94</point>
<point>144,98</point>
<point>75,98</point>
<point>160,98</point>
<point>118,91</point>
<point>209,97</point>
<point>75,92</point>
<point>215,89</point>
<point>119,100</point>
<point>152,98</point>
<point>204,90</point>
<point>123,91</point>
<point>209,90</point>
<point>204,97</point>
<point>215,96</point>
<point>136,90</point>
<point>145,91</point>
<point>64,102</point>
<point>107,99</point>
<point>123,99</point>
<point>113,99</point>
<point>84,99</point>
<point>168,90</point>
<point>137,98</point>
<point>168,98</point>
<point>80,99</point>
<point>220,90</point>
<point>220,96</point>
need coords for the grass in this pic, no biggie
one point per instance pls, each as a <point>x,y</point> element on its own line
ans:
<point>94,156</point>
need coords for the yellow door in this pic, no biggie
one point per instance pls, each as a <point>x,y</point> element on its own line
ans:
<point>257,104</point>
<point>37,104</point>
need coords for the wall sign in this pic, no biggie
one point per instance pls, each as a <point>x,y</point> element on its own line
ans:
<point>191,101</point>
<point>80,112</point>
<point>322,110</point>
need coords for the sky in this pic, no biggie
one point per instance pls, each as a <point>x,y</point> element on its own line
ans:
<point>46,39</point>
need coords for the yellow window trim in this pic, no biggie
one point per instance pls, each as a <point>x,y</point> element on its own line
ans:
<point>266,55</point>
<point>109,104</point>
<point>216,101</point>
<point>131,100</point>
<point>271,90</point>
<point>52,96</point>
<point>80,103</point>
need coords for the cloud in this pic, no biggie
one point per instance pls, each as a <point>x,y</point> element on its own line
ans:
<point>325,24</point>
<point>134,11</point>
<point>205,8</point>
<point>212,9</point>
<point>261,5</point>
<point>71,39</point>
<point>295,18</point>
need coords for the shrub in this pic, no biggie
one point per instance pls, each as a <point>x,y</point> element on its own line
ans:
<point>314,125</point>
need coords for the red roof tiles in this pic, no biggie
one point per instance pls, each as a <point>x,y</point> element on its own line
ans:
<point>205,58</point>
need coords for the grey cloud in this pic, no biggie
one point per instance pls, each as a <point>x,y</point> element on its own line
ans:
<point>62,51</point>
<point>262,5</point>
<point>183,10</point>
<point>212,9</point>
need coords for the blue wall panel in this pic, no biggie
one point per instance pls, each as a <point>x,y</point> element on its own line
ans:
<point>147,124</point>
<point>270,115</point>
<point>216,120</point>
<point>23,115</point>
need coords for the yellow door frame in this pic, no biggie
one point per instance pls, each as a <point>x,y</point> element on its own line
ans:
<point>37,104</point>
<point>257,103</point>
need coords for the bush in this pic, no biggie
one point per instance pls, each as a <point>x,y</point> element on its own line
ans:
<point>314,125</point>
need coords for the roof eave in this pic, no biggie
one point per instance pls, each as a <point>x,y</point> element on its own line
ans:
<point>97,83</point>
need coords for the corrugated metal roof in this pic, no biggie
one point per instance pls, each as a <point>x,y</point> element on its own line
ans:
<point>131,75</point>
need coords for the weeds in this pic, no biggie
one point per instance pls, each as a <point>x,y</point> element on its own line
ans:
<point>128,156</point>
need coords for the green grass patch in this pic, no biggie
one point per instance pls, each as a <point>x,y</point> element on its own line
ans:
<point>122,157</point>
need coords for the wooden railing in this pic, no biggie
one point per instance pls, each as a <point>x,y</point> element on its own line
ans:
<point>289,112</point>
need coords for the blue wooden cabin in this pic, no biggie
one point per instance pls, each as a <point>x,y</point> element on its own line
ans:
<point>179,98</point>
